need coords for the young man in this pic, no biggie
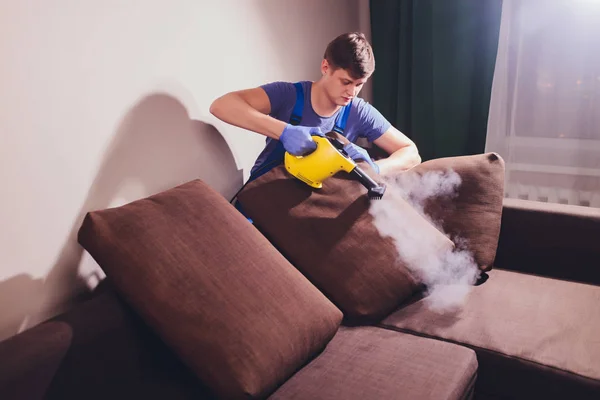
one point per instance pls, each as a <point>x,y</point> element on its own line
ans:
<point>288,114</point>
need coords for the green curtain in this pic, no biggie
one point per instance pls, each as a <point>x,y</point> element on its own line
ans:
<point>434,65</point>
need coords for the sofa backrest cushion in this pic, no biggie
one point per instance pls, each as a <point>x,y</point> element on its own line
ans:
<point>471,214</point>
<point>329,235</point>
<point>212,287</point>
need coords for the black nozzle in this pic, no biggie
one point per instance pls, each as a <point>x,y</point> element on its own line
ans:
<point>375,190</point>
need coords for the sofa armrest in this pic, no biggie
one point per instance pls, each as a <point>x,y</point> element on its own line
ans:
<point>554,240</point>
<point>29,360</point>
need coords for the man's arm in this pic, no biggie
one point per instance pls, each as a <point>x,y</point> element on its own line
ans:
<point>403,153</point>
<point>248,109</point>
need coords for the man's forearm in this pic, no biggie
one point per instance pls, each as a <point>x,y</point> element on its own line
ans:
<point>234,110</point>
<point>401,160</point>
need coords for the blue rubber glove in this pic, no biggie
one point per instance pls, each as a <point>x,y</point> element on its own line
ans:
<point>357,153</point>
<point>297,139</point>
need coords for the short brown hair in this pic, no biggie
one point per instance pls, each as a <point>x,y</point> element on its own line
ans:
<point>352,52</point>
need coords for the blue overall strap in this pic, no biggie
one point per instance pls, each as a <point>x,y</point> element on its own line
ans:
<point>278,153</point>
<point>296,116</point>
<point>342,119</point>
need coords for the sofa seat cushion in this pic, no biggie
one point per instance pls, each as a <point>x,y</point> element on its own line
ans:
<point>373,363</point>
<point>535,337</point>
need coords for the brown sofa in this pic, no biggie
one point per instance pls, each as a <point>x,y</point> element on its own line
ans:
<point>531,330</point>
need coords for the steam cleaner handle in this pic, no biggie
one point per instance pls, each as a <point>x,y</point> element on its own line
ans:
<point>357,172</point>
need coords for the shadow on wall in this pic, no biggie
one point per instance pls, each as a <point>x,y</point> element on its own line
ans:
<point>157,146</point>
<point>19,292</point>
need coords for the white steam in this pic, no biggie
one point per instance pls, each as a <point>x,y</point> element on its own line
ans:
<point>447,270</point>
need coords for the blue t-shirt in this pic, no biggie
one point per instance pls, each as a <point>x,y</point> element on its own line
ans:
<point>364,120</point>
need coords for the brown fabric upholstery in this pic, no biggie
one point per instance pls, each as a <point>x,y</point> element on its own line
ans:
<point>329,235</point>
<point>30,360</point>
<point>522,323</point>
<point>373,363</point>
<point>114,355</point>
<point>474,214</point>
<point>542,238</point>
<point>212,287</point>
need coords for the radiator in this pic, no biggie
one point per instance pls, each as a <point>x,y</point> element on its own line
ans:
<point>552,194</point>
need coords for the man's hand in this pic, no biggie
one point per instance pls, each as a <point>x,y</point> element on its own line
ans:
<point>297,140</point>
<point>357,153</point>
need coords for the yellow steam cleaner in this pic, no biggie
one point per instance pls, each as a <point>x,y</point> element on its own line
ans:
<point>328,159</point>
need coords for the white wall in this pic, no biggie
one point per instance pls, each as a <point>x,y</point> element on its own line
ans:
<point>102,103</point>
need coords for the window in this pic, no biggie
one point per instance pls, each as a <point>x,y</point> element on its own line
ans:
<point>545,107</point>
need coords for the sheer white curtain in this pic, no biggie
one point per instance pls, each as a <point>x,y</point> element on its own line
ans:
<point>545,107</point>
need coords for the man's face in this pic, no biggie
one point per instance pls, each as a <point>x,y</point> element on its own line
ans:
<point>341,87</point>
